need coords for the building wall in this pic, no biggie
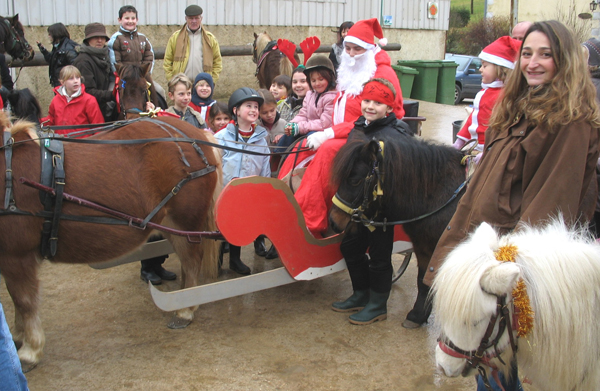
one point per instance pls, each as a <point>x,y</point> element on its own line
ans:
<point>233,22</point>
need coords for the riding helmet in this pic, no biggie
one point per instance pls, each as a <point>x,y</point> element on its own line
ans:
<point>318,62</point>
<point>242,95</point>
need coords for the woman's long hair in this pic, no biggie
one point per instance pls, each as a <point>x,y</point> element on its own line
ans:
<point>569,97</point>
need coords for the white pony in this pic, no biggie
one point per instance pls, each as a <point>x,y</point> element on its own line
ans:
<point>561,272</point>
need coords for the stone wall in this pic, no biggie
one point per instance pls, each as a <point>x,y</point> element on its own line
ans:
<point>237,71</point>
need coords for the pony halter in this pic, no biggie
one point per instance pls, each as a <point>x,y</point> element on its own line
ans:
<point>358,214</point>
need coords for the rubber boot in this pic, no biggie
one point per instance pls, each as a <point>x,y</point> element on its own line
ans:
<point>356,302</point>
<point>272,253</point>
<point>375,310</point>
<point>359,275</point>
<point>235,263</point>
<point>259,246</point>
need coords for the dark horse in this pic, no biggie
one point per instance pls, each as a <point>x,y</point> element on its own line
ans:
<point>132,178</point>
<point>417,177</point>
<point>269,60</point>
<point>135,88</point>
<point>23,105</point>
<point>12,38</point>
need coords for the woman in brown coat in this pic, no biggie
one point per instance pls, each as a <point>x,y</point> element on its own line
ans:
<point>541,147</point>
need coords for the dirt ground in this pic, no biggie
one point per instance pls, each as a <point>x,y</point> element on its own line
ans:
<point>103,332</point>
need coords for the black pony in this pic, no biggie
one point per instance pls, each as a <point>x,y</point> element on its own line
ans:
<point>23,105</point>
<point>417,177</point>
<point>12,38</point>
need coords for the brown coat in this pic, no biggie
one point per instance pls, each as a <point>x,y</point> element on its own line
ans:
<point>526,175</point>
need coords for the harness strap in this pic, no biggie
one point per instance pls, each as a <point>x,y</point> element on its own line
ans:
<point>173,192</point>
<point>59,186</point>
<point>9,199</point>
<point>271,46</point>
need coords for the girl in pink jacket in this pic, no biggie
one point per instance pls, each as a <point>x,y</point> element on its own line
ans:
<point>316,113</point>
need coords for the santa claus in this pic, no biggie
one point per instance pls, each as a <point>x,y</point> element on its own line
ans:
<point>362,60</point>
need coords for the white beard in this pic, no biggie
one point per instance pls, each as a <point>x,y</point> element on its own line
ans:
<point>353,72</point>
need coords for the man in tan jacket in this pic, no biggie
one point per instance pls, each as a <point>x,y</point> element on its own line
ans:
<point>192,49</point>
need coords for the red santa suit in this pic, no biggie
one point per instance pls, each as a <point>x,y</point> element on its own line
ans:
<point>475,126</point>
<point>315,193</point>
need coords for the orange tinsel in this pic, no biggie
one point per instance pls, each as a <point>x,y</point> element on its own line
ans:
<point>521,302</point>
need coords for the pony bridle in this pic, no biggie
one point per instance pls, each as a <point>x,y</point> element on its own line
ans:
<point>478,358</point>
<point>120,84</point>
<point>357,214</point>
<point>14,40</point>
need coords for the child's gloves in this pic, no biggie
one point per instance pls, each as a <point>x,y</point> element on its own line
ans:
<point>315,140</point>
<point>459,143</point>
<point>291,129</point>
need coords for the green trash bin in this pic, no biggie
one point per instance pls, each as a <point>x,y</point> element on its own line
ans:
<point>446,82</point>
<point>406,75</point>
<point>425,84</point>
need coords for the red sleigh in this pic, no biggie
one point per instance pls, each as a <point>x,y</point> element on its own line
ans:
<point>269,208</point>
<point>247,208</point>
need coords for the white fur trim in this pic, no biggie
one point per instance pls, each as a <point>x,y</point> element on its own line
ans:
<point>383,42</point>
<point>358,42</point>
<point>497,60</point>
<point>329,133</point>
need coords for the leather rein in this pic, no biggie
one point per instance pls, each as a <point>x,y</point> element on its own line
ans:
<point>478,359</point>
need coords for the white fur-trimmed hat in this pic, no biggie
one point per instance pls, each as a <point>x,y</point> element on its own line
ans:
<point>502,51</point>
<point>363,33</point>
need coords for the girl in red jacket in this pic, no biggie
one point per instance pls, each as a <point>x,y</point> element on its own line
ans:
<point>72,105</point>
<point>497,59</point>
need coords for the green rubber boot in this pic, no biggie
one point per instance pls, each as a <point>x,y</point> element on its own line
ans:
<point>356,302</point>
<point>375,310</point>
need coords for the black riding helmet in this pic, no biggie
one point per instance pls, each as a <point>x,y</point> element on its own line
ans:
<point>242,95</point>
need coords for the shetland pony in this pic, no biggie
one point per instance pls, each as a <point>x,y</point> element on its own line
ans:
<point>417,177</point>
<point>560,269</point>
<point>270,64</point>
<point>130,178</point>
<point>24,105</point>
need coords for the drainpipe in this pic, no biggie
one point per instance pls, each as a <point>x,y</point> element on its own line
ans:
<point>514,13</point>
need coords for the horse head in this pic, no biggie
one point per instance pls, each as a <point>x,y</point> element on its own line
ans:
<point>24,105</point>
<point>259,44</point>
<point>12,36</point>
<point>470,293</point>
<point>133,89</point>
<point>358,176</point>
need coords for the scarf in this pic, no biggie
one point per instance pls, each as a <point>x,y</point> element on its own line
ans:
<point>181,45</point>
<point>99,56</point>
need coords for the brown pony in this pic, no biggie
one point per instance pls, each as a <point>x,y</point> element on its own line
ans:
<point>271,63</point>
<point>135,88</point>
<point>131,178</point>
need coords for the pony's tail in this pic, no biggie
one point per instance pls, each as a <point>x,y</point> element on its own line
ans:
<point>285,66</point>
<point>210,247</point>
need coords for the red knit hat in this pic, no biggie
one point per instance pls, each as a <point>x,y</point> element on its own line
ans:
<point>363,33</point>
<point>503,52</point>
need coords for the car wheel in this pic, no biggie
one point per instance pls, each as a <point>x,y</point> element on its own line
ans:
<point>457,94</point>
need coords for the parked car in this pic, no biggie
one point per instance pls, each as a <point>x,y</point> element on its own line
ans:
<point>468,78</point>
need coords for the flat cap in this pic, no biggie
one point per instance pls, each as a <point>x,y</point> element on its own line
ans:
<point>193,10</point>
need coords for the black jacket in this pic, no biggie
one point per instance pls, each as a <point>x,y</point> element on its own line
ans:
<point>380,129</point>
<point>94,65</point>
<point>62,54</point>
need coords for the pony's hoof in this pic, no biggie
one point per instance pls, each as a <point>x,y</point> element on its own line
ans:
<point>178,323</point>
<point>409,324</point>
<point>26,367</point>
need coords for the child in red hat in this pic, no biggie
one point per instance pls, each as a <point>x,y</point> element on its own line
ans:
<point>497,60</point>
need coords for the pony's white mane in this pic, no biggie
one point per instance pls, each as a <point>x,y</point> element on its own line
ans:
<point>561,269</point>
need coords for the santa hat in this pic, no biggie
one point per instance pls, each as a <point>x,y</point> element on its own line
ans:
<point>363,33</point>
<point>502,51</point>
